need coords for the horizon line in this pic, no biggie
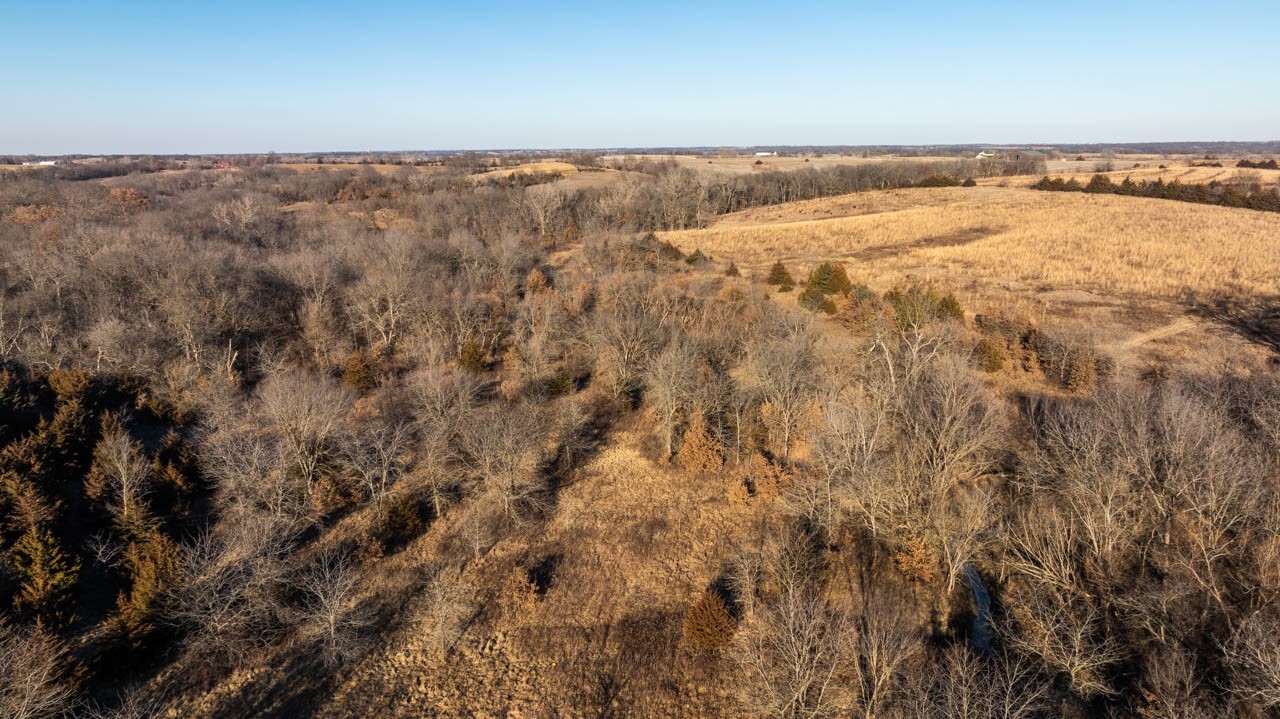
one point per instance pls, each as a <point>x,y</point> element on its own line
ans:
<point>643,149</point>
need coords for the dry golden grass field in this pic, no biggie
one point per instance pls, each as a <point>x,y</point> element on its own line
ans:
<point>549,166</point>
<point>1111,267</point>
<point>1108,243</point>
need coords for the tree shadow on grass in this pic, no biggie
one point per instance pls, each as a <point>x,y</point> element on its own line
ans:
<point>1256,318</point>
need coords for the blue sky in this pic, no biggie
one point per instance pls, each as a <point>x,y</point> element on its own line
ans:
<point>162,77</point>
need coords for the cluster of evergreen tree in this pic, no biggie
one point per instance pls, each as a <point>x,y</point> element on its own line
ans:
<point>1259,164</point>
<point>91,512</point>
<point>1254,197</point>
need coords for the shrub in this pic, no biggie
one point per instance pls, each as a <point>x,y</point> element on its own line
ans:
<point>915,306</point>
<point>536,281</point>
<point>779,276</point>
<point>938,181</point>
<point>1100,183</point>
<point>571,232</point>
<point>914,561</point>
<point>700,452</point>
<point>32,214</point>
<point>68,384</point>
<point>359,372</point>
<point>128,199</point>
<point>989,355</point>
<point>472,357</point>
<point>969,182</point>
<point>813,299</point>
<point>696,258</point>
<point>709,626</point>
<point>648,245</point>
<point>863,307</point>
<point>561,382</point>
<point>829,278</point>
<point>1071,365</point>
<point>401,521</point>
<point>732,271</point>
<point>949,308</point>
<point>670,252</point>
<point>763,478</point>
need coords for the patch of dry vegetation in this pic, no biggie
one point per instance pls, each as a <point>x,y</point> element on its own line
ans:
<point>549,167</point>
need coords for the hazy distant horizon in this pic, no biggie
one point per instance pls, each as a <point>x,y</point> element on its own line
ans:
<point>657,149</point>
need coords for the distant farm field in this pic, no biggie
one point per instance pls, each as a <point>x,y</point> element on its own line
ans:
<point>746,164</point>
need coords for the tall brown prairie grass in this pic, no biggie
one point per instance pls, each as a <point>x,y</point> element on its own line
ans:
<point>1120,245</point>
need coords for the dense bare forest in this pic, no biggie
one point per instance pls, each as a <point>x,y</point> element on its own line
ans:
<point>258,426</point>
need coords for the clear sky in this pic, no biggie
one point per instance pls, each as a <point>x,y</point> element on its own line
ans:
<point>114,76</point>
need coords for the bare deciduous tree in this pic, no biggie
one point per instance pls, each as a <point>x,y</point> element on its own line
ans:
<point>967,685</point>
<point>795,644</point>
<point>126,471</point>
<point>305,412</point>
<point>1071,638</point>
<point>383,301</point>
<point>329,610</point>
<point>376,457</point>
<point>850,454</point>
<point>885,647</point>
<point>542,202</point>
<point>1174,686</point>
<point>671,389</point>
<point>229,584</point>
<point>1253,656</point>
<point>503,449</point>
<point>33,684</point>
<point>628,329</point>
<point>252,472</point>
<point>784,372</point>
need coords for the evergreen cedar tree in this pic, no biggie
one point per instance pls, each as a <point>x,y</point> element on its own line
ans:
<point>778,275</point>
<point>709,626</point>
<point>1213,193</point>
<point>829,278</point>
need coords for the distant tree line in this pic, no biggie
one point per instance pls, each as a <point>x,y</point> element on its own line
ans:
<point>101,170</point>
<point>680,197</point>
<point>1248,195</point>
